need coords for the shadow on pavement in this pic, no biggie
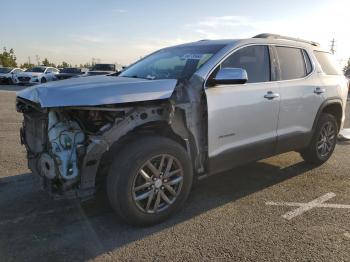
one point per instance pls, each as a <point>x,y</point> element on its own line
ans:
<point>35,227</point>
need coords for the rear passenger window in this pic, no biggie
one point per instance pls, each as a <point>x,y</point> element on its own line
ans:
<point>291,61</point>
<point>254,59</point>
<point>328,64</point>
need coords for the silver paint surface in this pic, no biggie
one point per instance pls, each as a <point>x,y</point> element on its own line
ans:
<point>98,90</point>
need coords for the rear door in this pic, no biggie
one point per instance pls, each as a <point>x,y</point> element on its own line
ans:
<point>242,118</point>
<point>301,97</point>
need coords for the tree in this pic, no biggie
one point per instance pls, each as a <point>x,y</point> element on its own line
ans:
<point>46,62</point>
<point>8,58</point>
<point>26,65</point>
<point>346,68</point>
<point>86,65</point>
<point>64,64</point>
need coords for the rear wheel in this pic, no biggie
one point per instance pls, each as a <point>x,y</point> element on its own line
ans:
<point>323,142</point>
<point>149,180</point>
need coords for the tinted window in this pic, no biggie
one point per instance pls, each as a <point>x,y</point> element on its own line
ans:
<point>291,60</point>
<point>5,70</point>
<point>327,63</point>
<point>254,59</point>
<point>36,70</point>
<point>72,70</point>
<point>103,67</point>
<point>307,62</point>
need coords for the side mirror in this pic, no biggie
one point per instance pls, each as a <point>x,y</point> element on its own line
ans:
<point>230,76</point>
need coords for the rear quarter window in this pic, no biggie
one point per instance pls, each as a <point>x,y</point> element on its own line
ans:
<point>327,62</point>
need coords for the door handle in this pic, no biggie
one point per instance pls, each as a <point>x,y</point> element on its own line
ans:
<point>271,95</point>
<point>319,90</point>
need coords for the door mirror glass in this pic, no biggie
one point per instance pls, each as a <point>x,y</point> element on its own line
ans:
<point>230,76</point>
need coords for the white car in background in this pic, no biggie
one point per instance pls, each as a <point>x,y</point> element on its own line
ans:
<point>38,75</point>
<point>8,75</point>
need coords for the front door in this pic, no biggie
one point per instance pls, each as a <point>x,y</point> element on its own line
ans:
<point>242,118</point>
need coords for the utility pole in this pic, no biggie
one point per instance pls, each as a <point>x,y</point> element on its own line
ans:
<point>29,62</point>
<point>37,58</point>
<point>332,47</point>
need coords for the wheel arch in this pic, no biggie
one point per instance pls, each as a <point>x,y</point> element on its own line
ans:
<point>331,106</point>
<point>153,128</point>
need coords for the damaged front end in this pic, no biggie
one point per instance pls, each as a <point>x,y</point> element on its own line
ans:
<point>70,130</point>
<point>65,145</point>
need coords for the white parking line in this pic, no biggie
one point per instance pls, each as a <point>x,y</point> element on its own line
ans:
<point>347,235</point>
<point>303,207</point>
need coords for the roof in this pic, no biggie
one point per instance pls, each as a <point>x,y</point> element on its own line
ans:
<point>261,38</point>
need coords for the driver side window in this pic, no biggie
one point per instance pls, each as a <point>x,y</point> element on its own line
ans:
<point>254,59</point>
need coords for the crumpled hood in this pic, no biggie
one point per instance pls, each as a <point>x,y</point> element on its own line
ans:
<point>98,90</point>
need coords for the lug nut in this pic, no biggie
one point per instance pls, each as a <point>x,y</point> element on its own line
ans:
<point>162,188</point>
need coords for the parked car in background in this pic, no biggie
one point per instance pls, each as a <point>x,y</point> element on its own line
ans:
<point>37,75</point>
<point>8,75</point>
<point>69,72</point>
<point>102,69</point>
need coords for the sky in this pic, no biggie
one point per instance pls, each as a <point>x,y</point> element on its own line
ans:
<point>77,31</point>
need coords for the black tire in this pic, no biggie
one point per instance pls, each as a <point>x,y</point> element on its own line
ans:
<point>312,154</point>
<point>43,80</point>
<point>125,170</point>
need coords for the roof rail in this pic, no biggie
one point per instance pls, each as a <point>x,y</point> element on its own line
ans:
<point>275,36</point>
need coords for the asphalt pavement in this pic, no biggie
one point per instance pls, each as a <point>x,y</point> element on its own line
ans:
<point>278,209</point>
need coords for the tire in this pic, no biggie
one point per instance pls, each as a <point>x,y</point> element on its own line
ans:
<point>125,178</point>
<point>316,153</point>
<point>43,80</point>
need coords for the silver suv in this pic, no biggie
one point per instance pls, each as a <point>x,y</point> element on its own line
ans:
<point>181,113</point>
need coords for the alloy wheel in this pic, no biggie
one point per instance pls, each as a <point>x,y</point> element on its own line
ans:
<point>326,140</point>
<point>157,184</point>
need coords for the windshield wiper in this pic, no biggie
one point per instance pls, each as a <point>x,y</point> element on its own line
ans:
<point>136,76</point>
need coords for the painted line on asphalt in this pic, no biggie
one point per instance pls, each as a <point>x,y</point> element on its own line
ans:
<point>303,207</point>
<point>347,235</point>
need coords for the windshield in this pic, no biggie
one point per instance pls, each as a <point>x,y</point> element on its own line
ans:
<point>172,63</point>
<point>36,70</point>
<point>5,70</point>
<point>71,70</point>
<point>103,67</point>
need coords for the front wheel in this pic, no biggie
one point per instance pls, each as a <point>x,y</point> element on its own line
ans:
<point>323,142</point>
<point>149,180</point>
<point>43,80</point>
